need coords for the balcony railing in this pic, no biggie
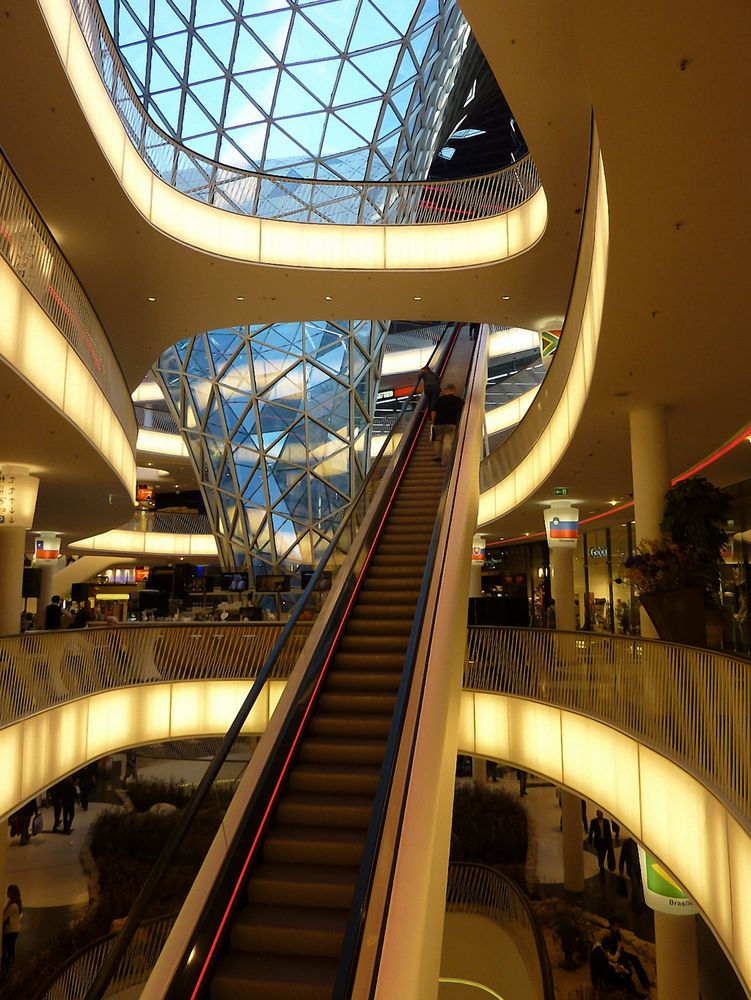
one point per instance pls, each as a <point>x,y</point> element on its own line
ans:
<point>41,670</point>
<point>690,705</point>
<point>27,245</point>
<point>295,198</point>
<point>168,522</point>
<point>482,890</point>
<point>156,420</point>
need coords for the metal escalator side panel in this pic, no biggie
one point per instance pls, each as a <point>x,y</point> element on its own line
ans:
<point>401,938</point>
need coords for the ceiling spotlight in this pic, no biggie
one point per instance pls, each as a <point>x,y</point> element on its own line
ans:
<point>152,298</point>
<point>505,297</point>
<point>328,298</point>
<point>417,298</point>
<point>240,298</point>
<point>612,502</point>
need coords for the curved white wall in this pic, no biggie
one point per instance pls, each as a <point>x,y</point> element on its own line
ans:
<point>683,823</point>
<point>39,750</point>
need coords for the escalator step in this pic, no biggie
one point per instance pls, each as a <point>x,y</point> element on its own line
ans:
<point>373,590</point>
<point>345,779</point>
<point>273,977</point>
<point>357,703</point>
<point>378,610</point>
<point>387,625</point>
<point>348,726</point>
<point>342,751</point>
<point>348,680</point>
<point>370,661</point>
<point>374,643</point>
<point>290,930</point>
<point>329,887</point>
<point>306,845</point>
<point>345,812</point>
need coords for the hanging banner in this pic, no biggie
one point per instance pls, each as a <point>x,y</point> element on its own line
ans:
<point>561,525</point>
<point>478,549</point>
<point>661,892</point>
<point>47,546</point>
<point>18,497</point>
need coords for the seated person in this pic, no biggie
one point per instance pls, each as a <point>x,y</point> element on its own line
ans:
<point>608,975</point>
<point>612,945</point>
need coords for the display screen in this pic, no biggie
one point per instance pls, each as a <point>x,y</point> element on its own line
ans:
<point>235,582</point>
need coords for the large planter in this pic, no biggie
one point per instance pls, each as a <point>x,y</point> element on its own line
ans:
<point>678,615</point>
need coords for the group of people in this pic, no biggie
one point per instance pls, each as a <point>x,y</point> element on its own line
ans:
<point>56,617</point>
<point>445,410</point>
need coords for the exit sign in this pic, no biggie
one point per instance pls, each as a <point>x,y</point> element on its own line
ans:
<point>560,491</point>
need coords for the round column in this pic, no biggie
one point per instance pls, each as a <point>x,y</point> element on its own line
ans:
<point>573,851</point>
<point>562,588</point>
<point>650,474</point>
<point>479,771</point>
<point>677,962</point>
<point>12,550</point>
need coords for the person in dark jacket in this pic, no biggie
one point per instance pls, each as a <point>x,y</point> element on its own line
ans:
<point>444,418</point>
<point>53,613</point>
<point>601,837</point>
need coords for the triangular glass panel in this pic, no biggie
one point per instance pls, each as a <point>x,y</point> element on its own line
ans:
<point>202,65</point>
<point>275,418</point>
<point>254,490</point>
<point>305,43</point>
<point>293,99</point>
<point>289,389</point>
<point>134,57</point>
<point>166,20</point>
<point>363,118</point>
<point>339,137</point>
<point>271,29</point>
<point>281,149</point>
<point>372,29</point>
<point>219,39</point>
<point>378,66</point>
<point>321,78</point>
<point>419,43</point>
<point>250,54</point>
<point>354,87</point>
<point>429,11</point>
<point>128,29</point>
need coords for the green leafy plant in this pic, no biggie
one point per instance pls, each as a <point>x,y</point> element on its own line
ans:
<point>572,932</point>
<point>490,827</point>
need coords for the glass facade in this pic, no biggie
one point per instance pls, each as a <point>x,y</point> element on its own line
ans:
<point>277,420</point>
<point>334,90</point>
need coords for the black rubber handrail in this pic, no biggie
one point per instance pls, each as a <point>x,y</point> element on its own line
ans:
<point>99,986</point>
<point>355,927</point>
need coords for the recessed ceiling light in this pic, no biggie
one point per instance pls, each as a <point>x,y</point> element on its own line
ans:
<point>328,298</point>
<point>152,298</point>
<point>417,298</point>
<point>240,298</point>
<point>505,297</point>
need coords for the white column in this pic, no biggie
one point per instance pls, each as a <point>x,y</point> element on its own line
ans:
<point>562,587</point>
<point>677,963</point>
<point>12,549</point>
<point>650,474</point>
<point>573,851</point>
<point>479,771</point>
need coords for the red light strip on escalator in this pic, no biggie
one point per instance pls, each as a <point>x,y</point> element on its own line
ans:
<point>311,702</point>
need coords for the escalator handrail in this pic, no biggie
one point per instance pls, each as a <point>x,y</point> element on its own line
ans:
<point>356,924</point>
<point>144,899</point>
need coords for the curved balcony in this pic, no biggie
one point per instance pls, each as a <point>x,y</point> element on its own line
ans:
<point>658,734</point>
<point>52,337</point>
<point>155,533</point>
<point>256,217</point>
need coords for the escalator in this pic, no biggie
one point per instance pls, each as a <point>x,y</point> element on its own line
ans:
<point>287,936</point>
<point>281,914</point>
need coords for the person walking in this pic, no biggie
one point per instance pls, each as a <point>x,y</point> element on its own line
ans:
<point>443,419</point>
<point>12,913</point>
<point>431,387</point>
<point>601,837</point>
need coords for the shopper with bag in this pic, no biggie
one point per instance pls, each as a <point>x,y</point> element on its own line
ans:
<point>11,926</point>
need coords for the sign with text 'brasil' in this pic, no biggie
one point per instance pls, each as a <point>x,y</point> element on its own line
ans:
<point>661,892</point>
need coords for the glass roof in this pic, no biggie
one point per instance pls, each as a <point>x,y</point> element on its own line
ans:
<point>317,88</point>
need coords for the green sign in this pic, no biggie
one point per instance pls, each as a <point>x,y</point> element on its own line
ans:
<point>560,491</point>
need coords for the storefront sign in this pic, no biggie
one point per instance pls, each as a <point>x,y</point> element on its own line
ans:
<point>661,892</point>
<point>18,497</point>
<point>561,525</point>
<point>598,552</point>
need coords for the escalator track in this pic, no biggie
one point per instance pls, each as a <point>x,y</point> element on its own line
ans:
<point>287,933</point>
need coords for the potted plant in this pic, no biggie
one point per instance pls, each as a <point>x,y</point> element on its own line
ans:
<point>677,575</point>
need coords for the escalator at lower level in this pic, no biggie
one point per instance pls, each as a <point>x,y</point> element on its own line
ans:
<point>287,934</point>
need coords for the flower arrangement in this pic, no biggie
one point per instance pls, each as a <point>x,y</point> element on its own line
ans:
<point>660,564</point>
